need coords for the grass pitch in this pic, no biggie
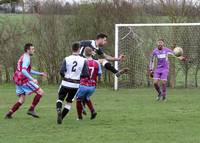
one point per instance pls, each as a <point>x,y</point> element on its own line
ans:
<point>126,116</point>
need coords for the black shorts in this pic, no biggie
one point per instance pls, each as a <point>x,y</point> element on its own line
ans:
<point>67,92</point>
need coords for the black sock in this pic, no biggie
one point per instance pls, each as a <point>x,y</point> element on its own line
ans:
<point>59,105</point>
<point>111,68</point>
<point>64,112</point>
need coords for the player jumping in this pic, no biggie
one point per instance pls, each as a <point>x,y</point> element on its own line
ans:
<point>25,83</point>
<point>73,67</point>
<point>161,72</point>
<point>88,85</point>
<point>96,45</point>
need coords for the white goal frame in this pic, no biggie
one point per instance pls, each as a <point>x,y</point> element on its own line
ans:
<point>140,25</point>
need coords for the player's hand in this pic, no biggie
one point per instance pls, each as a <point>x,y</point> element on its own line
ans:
<point>35,81</point>
<point>182,58</point>
<point>44,74</point>
<point>122,57</point>
<point>151,73</point>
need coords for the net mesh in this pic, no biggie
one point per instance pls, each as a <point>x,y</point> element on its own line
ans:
<point>138,42</point>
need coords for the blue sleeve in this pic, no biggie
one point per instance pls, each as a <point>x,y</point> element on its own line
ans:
<point>35,72</point>
<point>26,61</point>
<point>25,65</point>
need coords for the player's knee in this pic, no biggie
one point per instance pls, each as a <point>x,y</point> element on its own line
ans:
<point>104,62</point>
<point>40,91</point>
<point>164,82</point>
<point>68,105</point>
<point>87,99</point>
<point>155,82</point>
<point>22,99</point>
<point>78,99</point>
<point>61,97</point>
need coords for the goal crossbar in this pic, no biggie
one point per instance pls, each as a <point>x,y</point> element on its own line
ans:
<point>159,24</point>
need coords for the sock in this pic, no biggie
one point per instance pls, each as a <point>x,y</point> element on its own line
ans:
<point>111,68</point>
<point>83,105</point>
<point>15,108</point>
<point>90,106</point>
<point>59,105</point>
<point>164,89</point>
<point>79,108</point>
<point>35,101</point>
<point>157,88</point>
<point>65,110</point>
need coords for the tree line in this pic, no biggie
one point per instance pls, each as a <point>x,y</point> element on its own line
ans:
<point>53,26</point>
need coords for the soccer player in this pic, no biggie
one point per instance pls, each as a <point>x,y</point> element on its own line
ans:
<point>96,45</point>
<point>88,85</point>
<point>25,83</point>
<point>73,67</point>
<point>161,72</point>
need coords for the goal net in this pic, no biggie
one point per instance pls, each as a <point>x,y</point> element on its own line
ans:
<point>137,41</point>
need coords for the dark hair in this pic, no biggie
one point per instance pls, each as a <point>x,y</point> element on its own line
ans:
<point>101,35</point>
<point>27,46</point>
<point>161,40</point>
<point>75,46</point>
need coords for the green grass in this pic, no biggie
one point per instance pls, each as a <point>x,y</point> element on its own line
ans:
<point>126,116</point>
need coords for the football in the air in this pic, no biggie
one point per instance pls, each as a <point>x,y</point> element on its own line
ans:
<point>178,51</point>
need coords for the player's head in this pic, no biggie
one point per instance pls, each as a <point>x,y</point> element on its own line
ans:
<point>76,47</point>
<point>29,48</point>
<point>101,39</point>
<point>88,52</point>
<point>160,43</point>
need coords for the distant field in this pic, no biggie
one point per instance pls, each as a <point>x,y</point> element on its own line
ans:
<point>126,116</point>
<point>17,18</point>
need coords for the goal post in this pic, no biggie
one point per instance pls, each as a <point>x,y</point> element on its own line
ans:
<point>116,55</point>
<point>136,41</point>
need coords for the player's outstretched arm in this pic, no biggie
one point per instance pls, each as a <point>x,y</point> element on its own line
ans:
<point>33,72</point>
<point>26,74</point>
<point>110,58</point>
<point>182,58</point>
<point>101,53</point>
